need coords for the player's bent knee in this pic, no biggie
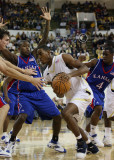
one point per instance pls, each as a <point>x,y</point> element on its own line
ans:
<point>65,114</point>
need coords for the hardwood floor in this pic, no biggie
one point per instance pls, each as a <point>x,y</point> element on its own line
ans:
<point>34,139</point>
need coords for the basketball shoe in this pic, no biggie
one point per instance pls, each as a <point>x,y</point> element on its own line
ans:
<point>96,141</point>
<point>10,147</point>
<point>56,146</point>
<point>81,150</point>
<point>5,154</point>
<point>92,148</point>
<point>107,141</point>
<point>5,138</point>
<point>17,139</point>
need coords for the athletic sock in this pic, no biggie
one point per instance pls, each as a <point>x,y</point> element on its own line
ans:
<point>107,132</point>
<point>92,129</point>
<point>13,138</point>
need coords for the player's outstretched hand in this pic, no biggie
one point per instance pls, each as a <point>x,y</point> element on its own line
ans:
<point>30,72</point>
<point>2,24</point>
<point>38,82</point>
<point>46,14</point>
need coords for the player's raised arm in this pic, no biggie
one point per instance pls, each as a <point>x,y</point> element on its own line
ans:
<point>47,16</point>
<point>2,24</point>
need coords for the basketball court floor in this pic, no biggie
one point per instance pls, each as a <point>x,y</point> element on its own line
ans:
<point>34,139</point>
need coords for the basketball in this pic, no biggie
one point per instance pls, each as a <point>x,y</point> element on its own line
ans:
<point>61,83</point>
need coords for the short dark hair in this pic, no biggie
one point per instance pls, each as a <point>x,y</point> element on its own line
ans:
<point>3,32</point>
<point>45,47</point>
<point>21,42</point>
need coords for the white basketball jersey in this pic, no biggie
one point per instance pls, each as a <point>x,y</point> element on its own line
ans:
<point>58,66</point>
<point>111,87</point>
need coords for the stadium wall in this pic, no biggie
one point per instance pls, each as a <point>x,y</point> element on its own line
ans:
<point>62,32</point>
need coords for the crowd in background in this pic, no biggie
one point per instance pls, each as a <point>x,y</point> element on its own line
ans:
<point>70,44</point>
<point>27,16</point>
<point>98,42</point>
<point>104,19</point>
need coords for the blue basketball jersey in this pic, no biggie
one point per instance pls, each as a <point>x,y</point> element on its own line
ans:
<point>100,76</point>
<point>28,62</point>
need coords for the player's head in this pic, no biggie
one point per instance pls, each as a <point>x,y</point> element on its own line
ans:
<point>44,54</point>
<point>24,48</point>
<point>4,38</point>
<point>108,53</point>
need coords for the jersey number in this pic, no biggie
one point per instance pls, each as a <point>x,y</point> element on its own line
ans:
<point>100,85</point>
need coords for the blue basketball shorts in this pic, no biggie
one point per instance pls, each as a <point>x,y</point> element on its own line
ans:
<point>40,101</point>
<point>13,110</point>
<point>97,100</point>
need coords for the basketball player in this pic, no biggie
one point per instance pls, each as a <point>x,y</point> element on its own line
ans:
<point>100,76</point>
<point>30,98</point>
<point>10,96</point>
<point>8,69</point>
<point>77,98</point>
<point>108,114</point>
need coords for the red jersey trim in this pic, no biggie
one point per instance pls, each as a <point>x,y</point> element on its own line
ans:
<point>24,60</point>
<point>104,69</point>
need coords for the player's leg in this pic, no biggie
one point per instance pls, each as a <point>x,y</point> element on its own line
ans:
<point>5,136</point>
<point>47,110</point>
<point>92,126</point>
<point>25,110</point>
<point>107,135</point>
<point>68,112</point>
<point>3,112</point>
<point>56,125</point>
<point>97,106</point>
<point>108,115</point>
<point>80,100</point>
<point>13,101</point>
